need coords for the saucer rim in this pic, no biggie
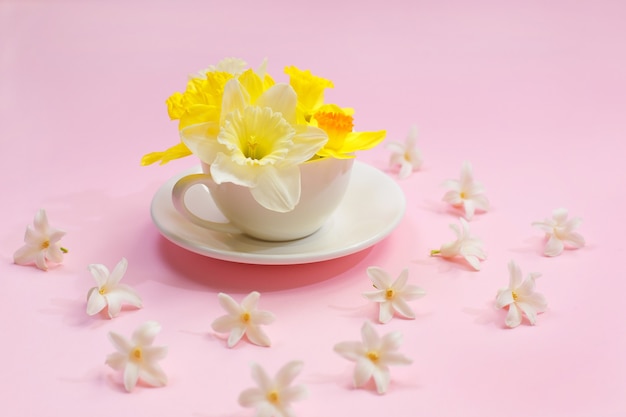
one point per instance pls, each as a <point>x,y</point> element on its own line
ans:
<point>161,204</point>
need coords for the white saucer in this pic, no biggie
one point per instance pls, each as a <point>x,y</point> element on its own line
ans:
<point>372,207</point>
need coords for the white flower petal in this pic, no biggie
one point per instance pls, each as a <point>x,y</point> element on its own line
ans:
<point>229,304</point>
<point>224,169</point>
<point>369,336</point>
<point>100,273</point>
<point>95,302</point>
<point>514,316</point>
<point>257,336</point>
<point>131,375</point>
<point>251,397</point>
<point>470,208</point>
<point>307,141</point>
<point>401,281</point>
<point>403,308</point>
<point>504,298</point>
<point>381,377</point>
<point>281,98</point>
<point>391,341</point>
<point>405,170</point>
<point>145,334</point>
<point>352,351</point>
<point>152,374</point>
<point>515,275</point>
<point>118,272</point>
<point>453,198</point>
<point>235,97</point>
<point>379,277</point>
<point>288,373</point>
<point>236,333</point>
<point>473,261</point>
<point>295,393</point>
<point>54,253</point>
<point>40,260</point>
<point>262,317</point>
<point>250,301</point>
<point>386,312</point>
<point>201,139</point>
<point>154,353</point>
<point>363,372</point>
<point>120,343</point>
<point>225,324</point>
<point>261,378</point>
<point>529,311</point>
<point>26,255</point>
<point>559,215</point>
<point>394,358</point>
<point>376,296</point>
<point>117,360</point>
<point>554,246</point>
<point>575,240</point>
<point>278,189</point>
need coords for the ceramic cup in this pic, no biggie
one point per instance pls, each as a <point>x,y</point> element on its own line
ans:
<point>323,184</point>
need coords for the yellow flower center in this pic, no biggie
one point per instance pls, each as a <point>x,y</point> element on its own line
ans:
<point>273,397</point>
<point>336,125</point>
<point>45,244</point>
<point>102,290</point>
<point>245,317</point>
<point>136,353</point>
<point>373,355</point>
<point>389,293</point>
<point>514,295</point>
<point>463,195</point>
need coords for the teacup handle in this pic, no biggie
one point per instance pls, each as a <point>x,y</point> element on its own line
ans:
<point>178,198</point>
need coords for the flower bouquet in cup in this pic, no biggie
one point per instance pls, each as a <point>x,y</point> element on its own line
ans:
<point>275,157</point>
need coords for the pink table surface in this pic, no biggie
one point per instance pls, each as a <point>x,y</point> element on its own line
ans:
<point>532,93</point>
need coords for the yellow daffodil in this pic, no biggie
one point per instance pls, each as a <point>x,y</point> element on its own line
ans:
<point>310,91</point>
<point>342,141</point>
<point>202,101</point>
<point>259,145</point>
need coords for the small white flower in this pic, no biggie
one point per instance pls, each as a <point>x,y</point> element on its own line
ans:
<point>243,319</point>
<point>42,244</point>
<point>137,357</point>
<point>392,296</point>
<point>465,245</point>
<point>109,292</point>
<point>466,193</point>
<point>273,397</point>
<point>521,297</point>
<point>406,155</point>
<point>373,356</point>
<point>560,232</point>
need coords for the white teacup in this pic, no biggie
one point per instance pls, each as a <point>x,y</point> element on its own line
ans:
<point>323,184</point>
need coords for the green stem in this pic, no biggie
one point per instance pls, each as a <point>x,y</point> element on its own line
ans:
<point>435,252</point>
<point>64,250</point>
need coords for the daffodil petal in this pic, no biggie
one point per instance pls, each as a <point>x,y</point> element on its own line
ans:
<point>278,189</point>
<point>280,98</point>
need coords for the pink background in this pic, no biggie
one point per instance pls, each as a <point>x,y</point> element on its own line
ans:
<point>532,93</point>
